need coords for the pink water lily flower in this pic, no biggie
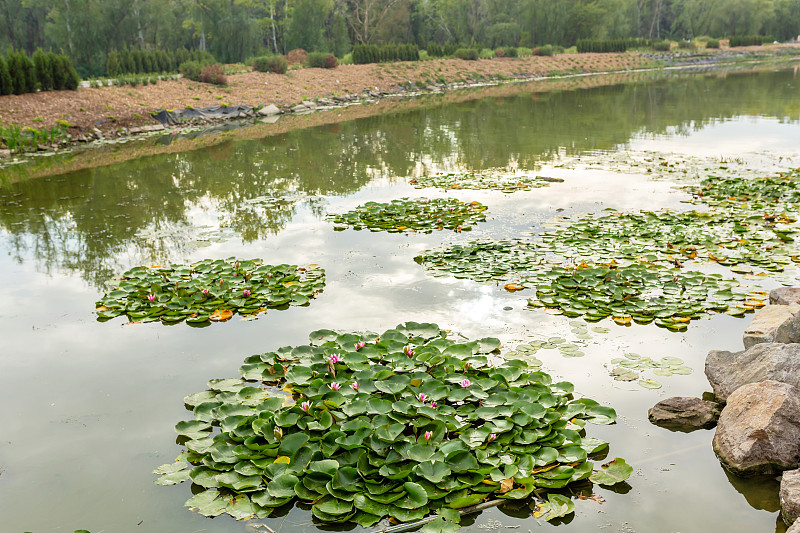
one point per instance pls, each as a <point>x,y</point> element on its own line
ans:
<point>422,396</point>
<point>354,386</point>
<point>305,406</point>
<point>360,344</point>
<point>433,404</point>
<point>334,386</point>
<point>205,292</point>
<point>246,292</point>
<point>151,297</point>
<point>428,435</point>
<point>408,351</point>
<point>492,437</point>
<point>335,358</point>
<point>466,383</point>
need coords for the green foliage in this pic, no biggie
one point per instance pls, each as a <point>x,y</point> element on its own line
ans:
<point>369,53</point>
<point>44,71</point>
<point>509,51</point>
<point>482,181</point>
<point>686,45</point>
<point>20,139</point>
<point>546,50</point>
<point>397,424</point>
<point>6,85</point>
<point>712,43</point>
<point>609,45</point>
<point>277,64</point>
<point>468,54</point>
<point>137,61</point>
<point>191,70</point>
<point>438,50</point>
<point>321,60</point>
<point>209,290</point>
<point>749,40</point>
<point>662,46</point>
<point>418,215</point>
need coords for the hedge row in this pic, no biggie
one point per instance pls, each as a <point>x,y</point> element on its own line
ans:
<point>137,61</point>
<point>47,71</point>
<point>604,46</point>
<point>749,40</point>
<point>370,53</point>
<point>439,50</point>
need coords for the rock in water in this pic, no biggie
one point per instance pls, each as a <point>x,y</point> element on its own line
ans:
<point>684,413</point>
<point>790,496</point>
<point>727,371</point>
<point>759,429</point>
<point>785,296</point>
<point>773,323</point>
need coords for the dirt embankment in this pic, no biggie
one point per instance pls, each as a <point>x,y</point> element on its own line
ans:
<point>115,109</point>
<point>112,108</point>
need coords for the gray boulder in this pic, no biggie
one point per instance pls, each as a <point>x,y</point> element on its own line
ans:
<point>795,528</point>
<point>727,371</point>
<point>774,323</point>
<point>269,110</point>
<point>759,429</point>
<point>785,296</point>
<point>684,413</point>
<point>790,495</point>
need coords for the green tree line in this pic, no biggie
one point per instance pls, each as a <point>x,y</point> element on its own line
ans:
<point>233,30</point>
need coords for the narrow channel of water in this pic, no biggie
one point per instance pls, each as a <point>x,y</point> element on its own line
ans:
<point>87,408</point>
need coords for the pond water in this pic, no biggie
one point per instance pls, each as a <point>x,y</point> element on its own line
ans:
<point>87,408</point>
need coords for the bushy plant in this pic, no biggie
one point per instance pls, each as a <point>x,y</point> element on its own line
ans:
<point>213,74</point>
<point>712,43</point>
<point>331,61</point>
<point>370,53</point>
<point>609,45</point>
<point>6,87</point>
<point>468,54</point>
<point>661,46</point>
<point>275,64</point>
<point>686,45</point>
<point>546,50</point>
<point>44,72</point>
<point>316,60</point>
<point>749,40</point>
<point>191,70</point>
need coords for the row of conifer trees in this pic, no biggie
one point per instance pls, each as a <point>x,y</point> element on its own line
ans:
<point>45,71</point>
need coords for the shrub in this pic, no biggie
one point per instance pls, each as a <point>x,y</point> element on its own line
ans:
<point>749,40</point>
<point>609,45</point>
<point>44,72</point>
<point>686,45</point>
<point>70,77</point>
<point>546,50</point>
<point>213,74</point>
<point>297,56</point>
<point>316,59</point>
<point>259,64</point>
<point>661,46</point>
<point>331,61</point>
<point>6,87</point>
<point>499,53</point>
<point>191,70</point>
<point>276,64</point>
<point>523,51</point>
<point>370,53</point>
<point>468,54</point>
<point>712,43</point>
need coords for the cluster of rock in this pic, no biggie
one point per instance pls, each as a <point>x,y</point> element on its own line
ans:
<point>758,429</point>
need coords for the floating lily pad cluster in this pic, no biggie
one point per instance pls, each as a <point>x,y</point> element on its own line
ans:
<point>671,238</point>
<point>630,367</point>
<point>399,424</point>
<point>762,192</point>
<point>507,183</point>
<point>209,290</point>
<point>418,215</point>
<point>636,292</point>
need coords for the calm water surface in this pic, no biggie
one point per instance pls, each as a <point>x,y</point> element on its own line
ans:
<point>87,408</point>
